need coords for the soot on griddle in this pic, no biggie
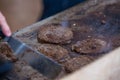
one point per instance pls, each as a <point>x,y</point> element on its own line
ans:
<point>113,10</point>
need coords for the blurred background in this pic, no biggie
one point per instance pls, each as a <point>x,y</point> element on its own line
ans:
<point>21,13</point>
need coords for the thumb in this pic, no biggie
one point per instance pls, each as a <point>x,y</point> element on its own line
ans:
<point>4,26</point>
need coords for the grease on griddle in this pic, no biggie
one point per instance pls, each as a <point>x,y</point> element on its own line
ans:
<point>77,25</point>
<point>94,19</point>
<point>113,10</point>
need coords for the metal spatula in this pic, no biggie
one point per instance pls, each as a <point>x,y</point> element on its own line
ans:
<point>37,60</point>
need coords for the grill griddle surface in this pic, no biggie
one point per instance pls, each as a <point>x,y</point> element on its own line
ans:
<point>94,20</point>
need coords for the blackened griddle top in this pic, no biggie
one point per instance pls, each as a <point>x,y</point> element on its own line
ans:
<point>103,23</point>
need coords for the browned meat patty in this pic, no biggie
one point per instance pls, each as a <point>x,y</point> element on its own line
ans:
<point>78,25</point>
<point>53,51</point>
<point>76,63</point>
<point>6,51</point>
<point>92,45</point>
<point>54,33</point>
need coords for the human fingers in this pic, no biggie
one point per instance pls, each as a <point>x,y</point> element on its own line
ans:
<point>4,26</point>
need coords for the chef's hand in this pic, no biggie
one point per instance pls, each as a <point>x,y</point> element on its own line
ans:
<point>4,26</point>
